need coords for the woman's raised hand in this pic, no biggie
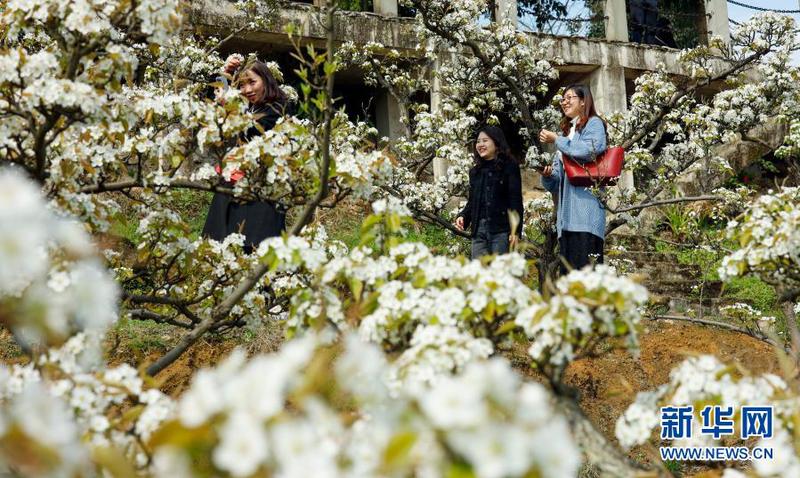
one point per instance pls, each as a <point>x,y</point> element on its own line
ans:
<point>547,136</point>
<point>459,223</point>
<point>233,62</point>
<point>547,171</point>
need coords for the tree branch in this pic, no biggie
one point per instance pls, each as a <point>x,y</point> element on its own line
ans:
<point>713,323</point>
<point>662,202</point>
<point>144,314</point>
<point>597,449</point>
<point>223,309</point>
<point>790,295</point>
<point>678,95</point>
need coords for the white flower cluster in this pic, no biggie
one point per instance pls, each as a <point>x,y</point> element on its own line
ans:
<point>38,421</point>
<point>390,205</point>
<point>63,408</point>
<point>748,315</point>
<point>412,286</point>
<point>696,126</point>
<point>385,67</point>
<point>456,17</point>
<point>791,143</point>
<point>436,351</point>
<point>210,269</point>
<point>534,158</point>
<point>588,304</point>
<point>276,414</point>
<point>155,18</point>
<point>733,203</point>
<point>769,238</point>
<point>539,216</point>
<point>764,31</point>
<point>704,381</point>
<point>358,165</point>
<point>51,283</point>
<point>442,136</point>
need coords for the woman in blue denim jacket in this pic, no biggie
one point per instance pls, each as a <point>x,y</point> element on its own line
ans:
<point>581,218</point>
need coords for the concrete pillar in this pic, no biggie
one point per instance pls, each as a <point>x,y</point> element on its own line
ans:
<point>439,165</point>
<point>616,22</point>
<point>506,10</point>
<point>385,7</point>
<point>608,89</point>
<point>717,19</point>
<point>387,116</point>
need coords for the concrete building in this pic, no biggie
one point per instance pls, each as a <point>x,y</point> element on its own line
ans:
<point>609,65</point>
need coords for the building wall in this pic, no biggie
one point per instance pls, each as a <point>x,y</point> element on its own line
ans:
<point>605,64</point>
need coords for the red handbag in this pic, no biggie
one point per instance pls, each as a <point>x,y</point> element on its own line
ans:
<point>235,175</point>
<point>603,171</point>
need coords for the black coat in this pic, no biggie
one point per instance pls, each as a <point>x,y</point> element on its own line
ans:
<point>504,193</point>
<point>256,220</point>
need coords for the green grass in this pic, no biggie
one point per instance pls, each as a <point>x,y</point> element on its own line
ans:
<point>344,226</point>
<point>674,467</point>
<point>754,292</point>
<point>439,240</point>
<point>749,289</point>
<point>125,226</point>
<point>708,261</point>
<point>190,204</point>
<point>140,337</point>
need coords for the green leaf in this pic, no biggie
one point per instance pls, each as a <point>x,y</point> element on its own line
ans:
<point>370,222</point>
<point>330,68</point>
<point>113,462</point>
<point>397,449</point>
<point>460,470</point>
<point>488,313</point>
<point>505,328</point>
<point>356,287</point>
<point>393,221</point>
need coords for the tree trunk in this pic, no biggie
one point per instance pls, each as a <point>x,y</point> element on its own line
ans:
<point>603,456</point>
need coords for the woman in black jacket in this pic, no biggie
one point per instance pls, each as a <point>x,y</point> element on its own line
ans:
<point>256,220</point>
<point>495,190</point>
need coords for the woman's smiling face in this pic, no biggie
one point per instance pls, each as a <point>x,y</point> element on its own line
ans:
<point>252,87</point>
<point>485,146</point>
<point>571,104</point>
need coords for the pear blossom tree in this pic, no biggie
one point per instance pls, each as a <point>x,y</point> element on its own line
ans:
<point>704,381</point>
<point>769,245</point>
<point>95,108</point>
<point>489,72</point>
<point>67,413</point>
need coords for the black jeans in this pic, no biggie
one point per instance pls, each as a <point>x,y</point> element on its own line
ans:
<point>485,242</point>
<point>579,249</point>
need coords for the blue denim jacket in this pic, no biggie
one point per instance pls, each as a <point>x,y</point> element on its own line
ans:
<point>578,209</point>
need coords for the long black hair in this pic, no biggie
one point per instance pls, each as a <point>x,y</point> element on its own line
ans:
<point>500,142</point>
<point>272,90</point>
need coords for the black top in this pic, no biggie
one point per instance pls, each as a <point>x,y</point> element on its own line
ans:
<point>267,114</point>
<point>494,189</point>
<point>257,220</point>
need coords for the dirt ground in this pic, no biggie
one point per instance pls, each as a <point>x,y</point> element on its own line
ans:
<point>606,384</point>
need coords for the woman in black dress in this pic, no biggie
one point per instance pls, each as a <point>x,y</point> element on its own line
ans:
<point>256,220</point>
